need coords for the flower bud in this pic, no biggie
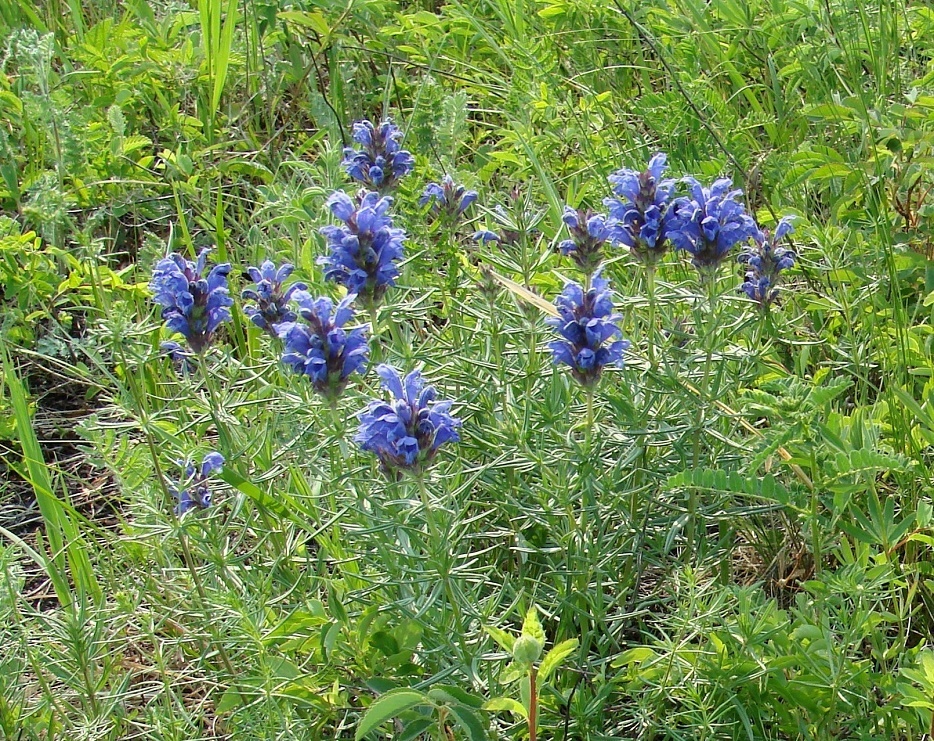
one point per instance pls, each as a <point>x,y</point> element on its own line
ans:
<point>527,650</point>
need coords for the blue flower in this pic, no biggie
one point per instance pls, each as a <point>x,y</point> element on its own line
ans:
<point>589,232</point>
<point>320,348</point>
<point>405,434</point>
<point>193,305</point>
<point>196,492</point>
<point>180,357</point>
<point>381,163</point>
<point>765,261</point>
<point>447,199</point>
<point>710,223</point>
<point>587,324</point>
<point>366,248</point>
<point>641,216</point>
<point>271,298</point>
<point>483,236</point>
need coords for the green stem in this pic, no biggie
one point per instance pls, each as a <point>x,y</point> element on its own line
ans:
<point>375,346</point>
<point>710,332</point>
<point>650,334</point>
<point>215,407</point>
<point>437,541</point>
<point>533,704</point>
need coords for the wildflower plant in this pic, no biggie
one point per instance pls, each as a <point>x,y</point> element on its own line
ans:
<point>380,162</point>
<point>319,347</point>
<point>193,304</point>
<point>449,201</point>
<point>406,432</point>
<point>589,233</point>
<point>365,250</point>
<point>587,326</point>
<point>271,296</point>
<point>193,491</point>
<point>640,211</point>
<point>765,262</point>
<point>709,223</point>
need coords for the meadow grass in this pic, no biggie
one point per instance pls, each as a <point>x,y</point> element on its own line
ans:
<point>728,537</point>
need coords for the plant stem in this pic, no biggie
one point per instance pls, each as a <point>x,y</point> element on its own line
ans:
<point>650,334</point>
<point>375,347</point>
<point>699,419</point>
<point>533,703</point>
<point>215,407</point>
<point>436,540</point>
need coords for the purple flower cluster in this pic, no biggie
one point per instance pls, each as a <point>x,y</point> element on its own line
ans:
<point>764,263</point>
<point>365,249</point>
<point>406,432</point>
<point>589,233</point>
<point>381,162</point>
<point>640,213</point>
<point>270,295</point>
<point>448,199</point>
<point>194,305</point>
<point>196,493</point>
<point>588,327</point>
<point>709,223</point>
<point>320,347</point>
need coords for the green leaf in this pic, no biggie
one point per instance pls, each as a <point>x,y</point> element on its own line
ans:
<point>532,627</point>
<point>636,655</point>
<point>498,704</point>
<point>468,720</point>
<point>388,707</point>
<point>554,657</point>
<point>505,640</point>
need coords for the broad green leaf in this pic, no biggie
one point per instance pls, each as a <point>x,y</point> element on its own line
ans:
<point>388,707</point>
<point>554,657</point>
<point>505,640</point>
<point>498,704</point>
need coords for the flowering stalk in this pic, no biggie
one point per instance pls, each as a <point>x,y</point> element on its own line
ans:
<point>271,297</point>
<point>193,304</point>
<point>709,223</point>
<point>406,433</point>
<point>640,215</point>
<point>186,554</point>
<point>765,262</point>
<point>589,233</point>
<point>380,162</point>
<point>365,249</point>
<point>587,325</point>
<point>320,348</point>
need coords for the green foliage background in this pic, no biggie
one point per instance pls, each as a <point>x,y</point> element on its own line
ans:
<point>797,444</point>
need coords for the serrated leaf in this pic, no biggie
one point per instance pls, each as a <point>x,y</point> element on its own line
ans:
<point>388,707</point>
<point>554,657</point>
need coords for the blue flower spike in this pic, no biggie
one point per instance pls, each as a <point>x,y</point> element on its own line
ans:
<point>193,305</point>
<point>709,223</point>
<point>271,296</point>
<point>640,213</point>
<point>365,250</point>
<point>765,262</point>
<point>448,200</point>
<point>589,233</point>
<point>380,162</point>
<point>588,328</point>
<point>196,494</point>
<point>406,432</point>
<point>319,347</point>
